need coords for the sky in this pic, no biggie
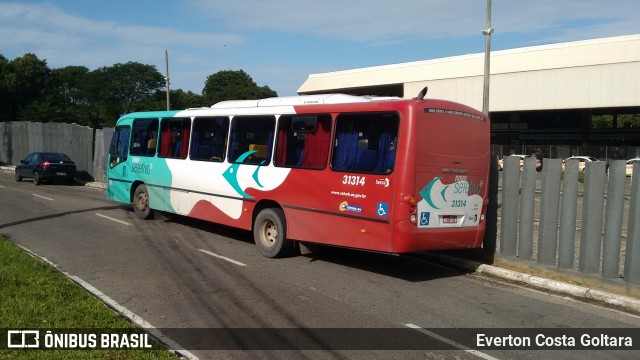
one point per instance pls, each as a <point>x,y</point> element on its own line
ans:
<point>279,43</point>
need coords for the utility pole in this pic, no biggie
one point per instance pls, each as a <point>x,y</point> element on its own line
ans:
<point>166,59</point>
<point>487,60</point>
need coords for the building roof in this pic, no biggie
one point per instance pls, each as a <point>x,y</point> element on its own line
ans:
<point>614,50</point>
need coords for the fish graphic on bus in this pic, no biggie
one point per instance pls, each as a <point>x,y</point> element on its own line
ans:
<point>446,205</point>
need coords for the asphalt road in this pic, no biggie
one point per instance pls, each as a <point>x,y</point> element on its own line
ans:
<point>188,274</point>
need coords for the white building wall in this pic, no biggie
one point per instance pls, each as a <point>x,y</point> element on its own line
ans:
<point>583,74</point>
<point>611,85</point>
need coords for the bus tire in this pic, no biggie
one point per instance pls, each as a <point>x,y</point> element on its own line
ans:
<point>141,203</point>
<point>270,233</point>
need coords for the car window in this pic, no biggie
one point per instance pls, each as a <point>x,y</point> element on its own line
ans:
<point>35,158</point>
<point>55,157</point>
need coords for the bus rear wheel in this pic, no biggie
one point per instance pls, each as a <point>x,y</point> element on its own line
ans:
<point>270,233</point>
<point>141,203</point>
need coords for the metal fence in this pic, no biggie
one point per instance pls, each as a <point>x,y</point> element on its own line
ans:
<point>586,220</point>
<point>603,153</point>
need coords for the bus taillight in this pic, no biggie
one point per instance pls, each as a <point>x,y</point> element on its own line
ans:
<point>412,208</point>
<point>485,203</point>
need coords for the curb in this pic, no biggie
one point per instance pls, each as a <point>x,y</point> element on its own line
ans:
<point>583,293</point>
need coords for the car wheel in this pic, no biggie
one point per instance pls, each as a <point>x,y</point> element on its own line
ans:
<point>36,178</point>
<point>270,233</point>
<point>18,177</point>
<point>141,203</point>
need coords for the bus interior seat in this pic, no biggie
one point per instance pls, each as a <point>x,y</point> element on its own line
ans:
<point>176,151</point>
<point>346,151</point>
<point>204,152</point>
<point>269,148</point>
<point>299,154</point>
<point>165,143</point>
<point>384,145</point>
<point>366,159</point>
<point>151,147</point>
<point>391,158</point>
<point>260,151</point>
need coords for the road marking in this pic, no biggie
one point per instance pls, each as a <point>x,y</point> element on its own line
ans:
<point>1,186</point>
<point>222,257</point>
<point>451,342</point>
<point>123,311</point>
<point>42,197</point>
<point>112,219</point>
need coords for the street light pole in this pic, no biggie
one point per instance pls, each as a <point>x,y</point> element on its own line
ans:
<point>487,60</point>
<point>166,58</point>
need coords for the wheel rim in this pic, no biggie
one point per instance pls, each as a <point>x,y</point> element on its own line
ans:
<point>142,201</point>
<point>268,233</point>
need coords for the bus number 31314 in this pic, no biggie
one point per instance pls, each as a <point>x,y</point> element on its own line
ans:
<point>353,180</point>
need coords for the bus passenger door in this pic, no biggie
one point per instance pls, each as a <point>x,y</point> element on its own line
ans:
<point>118,182</point>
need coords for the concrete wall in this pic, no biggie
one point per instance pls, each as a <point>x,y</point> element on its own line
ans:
<point>100,159</point>
<point>19,138</point>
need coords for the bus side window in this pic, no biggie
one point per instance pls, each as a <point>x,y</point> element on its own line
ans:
<point>174,137</point>
<point>251,139</point>
<point>365,142</point>
<point>303,146</point>
<point>119,145</point>
<point>144,130</point>
<point>209,139</point>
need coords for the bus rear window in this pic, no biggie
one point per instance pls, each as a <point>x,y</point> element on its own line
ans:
<point>365,142</point>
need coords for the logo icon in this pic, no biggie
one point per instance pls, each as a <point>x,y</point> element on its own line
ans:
<point>344,206</point>
<point>23,339</point>
<point>424,218</point>
<point>383,209</point>
<point>383,182</point>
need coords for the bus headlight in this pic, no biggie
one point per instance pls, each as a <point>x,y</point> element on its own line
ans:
<point>413,218</point>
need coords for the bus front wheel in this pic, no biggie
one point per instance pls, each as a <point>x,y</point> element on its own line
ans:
<point>270,233</point>
<point>141,203</point>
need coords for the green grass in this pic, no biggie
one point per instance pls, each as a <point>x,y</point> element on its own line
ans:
<point>34,295</point>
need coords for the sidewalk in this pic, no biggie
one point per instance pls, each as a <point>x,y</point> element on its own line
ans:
<point>620,296</point>
<point>593,289</point>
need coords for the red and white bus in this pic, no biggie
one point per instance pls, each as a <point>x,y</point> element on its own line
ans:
<point>383,174</point>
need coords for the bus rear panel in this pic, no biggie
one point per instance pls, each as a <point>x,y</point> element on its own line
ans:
<point>450,173</point>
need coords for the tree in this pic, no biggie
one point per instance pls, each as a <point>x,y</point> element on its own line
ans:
<point>5,101</point>
<point>120,89</point>
<point>234,85</point>
<point>179,100</point>
<point>25,80</point>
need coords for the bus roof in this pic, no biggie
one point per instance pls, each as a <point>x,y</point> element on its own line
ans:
<point>300,100</point>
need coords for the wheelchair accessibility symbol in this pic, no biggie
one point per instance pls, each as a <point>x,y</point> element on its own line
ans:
<point>383,209</point>
<point>424,218</point>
